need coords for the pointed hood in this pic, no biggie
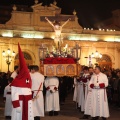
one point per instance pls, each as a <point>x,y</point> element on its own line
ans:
<point>23,79</point>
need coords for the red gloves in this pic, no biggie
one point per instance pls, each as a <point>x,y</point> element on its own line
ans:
<point>92,85</point>
<point>48,88</point>
<point>102,85</point>
<point>55,88</point>
<point>16,103</point>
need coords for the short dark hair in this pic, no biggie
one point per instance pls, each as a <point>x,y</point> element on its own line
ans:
<point>98,67</point>
<point>85,68</point>
<point>30,67</point>
<point>10,79</point>
<point>36,68</point>
<point>90,67</point>
<point>15,67</point>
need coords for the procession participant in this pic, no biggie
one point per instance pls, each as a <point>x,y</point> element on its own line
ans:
<point>52,96</point>
<point>7,99</point>
<point>84,79</point>
<point>62,90</point>
<point>88,106</point>
<point>37,89</point>
<point>76,95</point>
<point>15,73</point>
<point>98,83</point>
<point>21,92</point>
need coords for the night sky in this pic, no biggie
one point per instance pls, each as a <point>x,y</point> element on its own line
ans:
<point>89,12</point>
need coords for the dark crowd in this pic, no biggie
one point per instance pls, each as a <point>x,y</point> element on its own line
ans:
<point>66,86</point>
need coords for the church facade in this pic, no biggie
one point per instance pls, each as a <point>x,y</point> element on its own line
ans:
<point>32,31</point>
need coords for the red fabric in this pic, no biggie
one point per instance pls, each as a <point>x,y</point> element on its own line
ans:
<point>84,80</point>
<point>48,88</point>
<point>58,60</point>
<point>102,85</point>
<point>55,88</point>
<point>25,99</point>
<point>79,80</point>
<point>15,103</point>
<point>20,80</point>
<point>91,85</point>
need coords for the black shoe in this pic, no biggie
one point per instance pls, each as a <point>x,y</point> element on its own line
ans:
<point>51,113</point>
<point>37,118</point>
<point>85,117</point>
<point>94,118</point>
<point>8,117</point>
<point>55,113</point>
<point>103,118</point>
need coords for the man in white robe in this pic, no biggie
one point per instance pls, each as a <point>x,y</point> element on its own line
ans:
<point>7,99</point>
<point>37,89</point>
<point>52,96</point>
<point>76,95</point>
<point>98,83</point>
<point>84,80</point>
<point>88,105</point>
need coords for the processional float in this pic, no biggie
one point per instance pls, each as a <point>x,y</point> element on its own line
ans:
<point>61,61</point>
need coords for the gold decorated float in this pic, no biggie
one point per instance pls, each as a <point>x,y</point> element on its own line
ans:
<point>59,60</point>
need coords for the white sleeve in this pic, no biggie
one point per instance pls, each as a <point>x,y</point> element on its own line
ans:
<point>5,92</point>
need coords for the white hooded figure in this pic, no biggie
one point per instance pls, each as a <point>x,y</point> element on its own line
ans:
<point>21,93</point>
<point>7,99</point>
<point>52,96</point>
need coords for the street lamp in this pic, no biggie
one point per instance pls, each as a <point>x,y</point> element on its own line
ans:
<point>77,51</point>
<point>8,55</point>
<point>96,55</point>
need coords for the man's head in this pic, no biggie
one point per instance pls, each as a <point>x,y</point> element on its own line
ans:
<point>86,69</point>
<point>10,80</point>
<point>36,68</point>
<point>31,68</point>
<point>16,68</point>
<point>118,73</point>
<point>91,71</point>
<point>97,69</point>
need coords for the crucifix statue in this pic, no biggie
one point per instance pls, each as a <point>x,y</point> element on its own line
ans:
<point>58,29</point>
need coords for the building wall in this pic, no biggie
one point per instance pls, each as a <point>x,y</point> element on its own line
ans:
<point>31,46</point>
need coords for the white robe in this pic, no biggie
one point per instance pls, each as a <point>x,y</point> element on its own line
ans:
<point>8,104</point>
<point>88,102</point>
<point>17,111</point>
<point>38,104</point>
<point>75,96</point>
<point>83,94</point>
<point>99,96</point>
<point>52,99</point>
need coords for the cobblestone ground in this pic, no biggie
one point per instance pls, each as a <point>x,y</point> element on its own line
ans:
<point>68,111</point>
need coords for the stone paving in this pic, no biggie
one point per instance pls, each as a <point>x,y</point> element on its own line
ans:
<point>68,112</point>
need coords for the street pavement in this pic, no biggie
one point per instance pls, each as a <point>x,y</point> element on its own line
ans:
<point>68,111</point>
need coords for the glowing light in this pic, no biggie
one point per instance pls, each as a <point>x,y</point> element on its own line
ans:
<point>53,37</point>
<point>25,35</point>
<point>7,34</point>
<point>8,51</point>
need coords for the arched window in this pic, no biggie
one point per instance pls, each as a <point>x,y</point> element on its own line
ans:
<point>105,58</point>
<point>27,56</point>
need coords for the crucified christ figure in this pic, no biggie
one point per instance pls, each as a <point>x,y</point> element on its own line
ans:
<point>57,27</point>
